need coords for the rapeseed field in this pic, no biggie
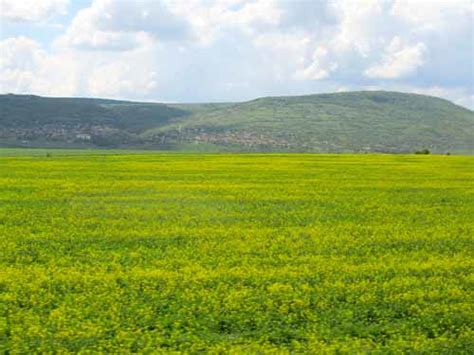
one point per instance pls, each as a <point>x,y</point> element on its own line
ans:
<point>236,253</point>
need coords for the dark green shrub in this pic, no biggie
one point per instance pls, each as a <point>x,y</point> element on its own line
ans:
<point>423,151</point>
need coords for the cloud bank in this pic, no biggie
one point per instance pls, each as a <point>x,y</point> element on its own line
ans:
<point>236,50</point>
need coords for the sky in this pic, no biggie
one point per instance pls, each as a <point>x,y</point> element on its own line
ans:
<point>235,50</point>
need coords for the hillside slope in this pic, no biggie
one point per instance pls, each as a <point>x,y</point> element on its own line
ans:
<point>70,122</point>
<point>372,121</point>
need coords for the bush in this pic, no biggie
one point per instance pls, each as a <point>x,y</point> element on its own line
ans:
<point>423,151</point>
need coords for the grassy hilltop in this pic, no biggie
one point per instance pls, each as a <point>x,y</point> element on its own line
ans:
<point>150,253</point>
<point>372,121</point>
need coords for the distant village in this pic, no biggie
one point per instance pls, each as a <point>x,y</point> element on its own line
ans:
<point>108,136</point>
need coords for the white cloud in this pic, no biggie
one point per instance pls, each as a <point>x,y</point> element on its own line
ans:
<point>235,49</point>
<point>119,25</point>
<point>398,61</point>
<point>211,20</point>
<point>320,68</point>
<point>26,67</point>
<point>361,23</point>
<point>431,15</point>
<point>32,10</point>
<point>18,63</point>
<point>122,77</point>
<point>87,31</point>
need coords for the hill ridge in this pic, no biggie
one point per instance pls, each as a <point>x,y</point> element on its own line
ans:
<point>357,121</point>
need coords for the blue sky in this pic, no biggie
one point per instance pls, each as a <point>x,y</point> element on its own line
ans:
<point>232,50</point>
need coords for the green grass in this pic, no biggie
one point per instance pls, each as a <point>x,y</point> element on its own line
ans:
<point>233,252</point>
<point>49,153</point>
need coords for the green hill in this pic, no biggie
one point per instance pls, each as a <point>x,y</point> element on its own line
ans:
<point>371,121</point>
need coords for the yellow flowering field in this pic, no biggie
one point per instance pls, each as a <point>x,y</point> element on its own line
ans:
<point>236,253</point>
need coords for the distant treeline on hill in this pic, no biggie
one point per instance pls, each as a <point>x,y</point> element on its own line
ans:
<point>366,121</point>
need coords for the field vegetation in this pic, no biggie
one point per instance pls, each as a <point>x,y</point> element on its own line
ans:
<point>240,253</point>
<point>366,121</point>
